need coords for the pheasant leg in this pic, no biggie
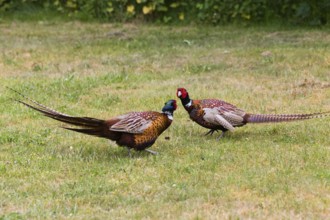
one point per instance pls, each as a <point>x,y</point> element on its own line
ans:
<point>210,132</point>
<point>221,135</point>
<point>151,151</point>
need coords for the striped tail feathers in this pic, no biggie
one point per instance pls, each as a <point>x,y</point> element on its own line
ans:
<point>273,118</point>
<point>78,121</point>
<point>89,125</point>
<point>98,131</point>
<point>40,106</point>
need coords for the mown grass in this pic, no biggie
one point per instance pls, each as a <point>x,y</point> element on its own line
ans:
<point>102,70</point>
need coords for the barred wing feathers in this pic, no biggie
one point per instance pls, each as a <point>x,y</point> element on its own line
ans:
<point>134,122</point>
<point>227,116</point>
<point>214,103</point>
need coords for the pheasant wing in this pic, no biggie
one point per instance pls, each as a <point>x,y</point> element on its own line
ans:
<point>223,122</point>
<point>233,115</point>
<point>211,115</point>
<point>227,111</point>
<point>134,123</point>
<point>226,116</point>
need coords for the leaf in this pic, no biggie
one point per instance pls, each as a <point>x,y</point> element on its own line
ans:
<point>181,16</point>
<point>110,10</point>
<point>174,5</point>
<point>246,16</point>
<point>147,9</point>
<point>130,9</point>
<point>162,8</point>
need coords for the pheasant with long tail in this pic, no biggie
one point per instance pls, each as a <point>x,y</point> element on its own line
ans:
<point>217,115</point>
<point>134,130</point>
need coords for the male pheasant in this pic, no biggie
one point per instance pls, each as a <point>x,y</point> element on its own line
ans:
<point>134,130</point>
<point>220,115</point>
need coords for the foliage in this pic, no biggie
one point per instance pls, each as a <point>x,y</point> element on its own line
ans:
<point>312,12</point>
<point>206,11</point>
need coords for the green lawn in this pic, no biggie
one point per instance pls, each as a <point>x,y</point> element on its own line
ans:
<point>268,171</point>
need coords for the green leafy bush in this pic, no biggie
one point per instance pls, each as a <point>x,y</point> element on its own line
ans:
<point>313,12</point>
<point>226,11</point>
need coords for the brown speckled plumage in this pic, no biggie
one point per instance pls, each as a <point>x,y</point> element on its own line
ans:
<point>134,130</point>
<point>216,114</point>
<point>149,136</point>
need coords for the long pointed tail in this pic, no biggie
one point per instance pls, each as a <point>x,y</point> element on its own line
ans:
<point>90,126</point>
<point>264,118</point>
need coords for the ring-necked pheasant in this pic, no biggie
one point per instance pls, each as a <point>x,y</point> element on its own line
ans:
<point>134,130</point>
<point>220,115</point>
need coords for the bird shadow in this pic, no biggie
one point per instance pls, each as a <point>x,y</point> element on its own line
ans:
<point>99,153</point>
<point>250,134</point>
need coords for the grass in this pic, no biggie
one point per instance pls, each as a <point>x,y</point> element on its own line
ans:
<point>270,171</point>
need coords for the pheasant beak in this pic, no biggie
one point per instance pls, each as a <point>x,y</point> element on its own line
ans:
<point>179,94</point>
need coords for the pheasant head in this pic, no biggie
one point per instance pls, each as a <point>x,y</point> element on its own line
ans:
<point>169,107</point>
<point>183,95</point>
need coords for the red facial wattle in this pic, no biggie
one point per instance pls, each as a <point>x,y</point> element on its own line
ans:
<point>183,93</point>
<point>174,105</point>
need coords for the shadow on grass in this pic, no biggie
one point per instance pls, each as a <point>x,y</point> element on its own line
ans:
<point>251,134</point>
<point>99,153</point>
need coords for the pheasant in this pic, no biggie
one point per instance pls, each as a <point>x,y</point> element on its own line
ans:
<point>217,115</point>
<point>134,130</point>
